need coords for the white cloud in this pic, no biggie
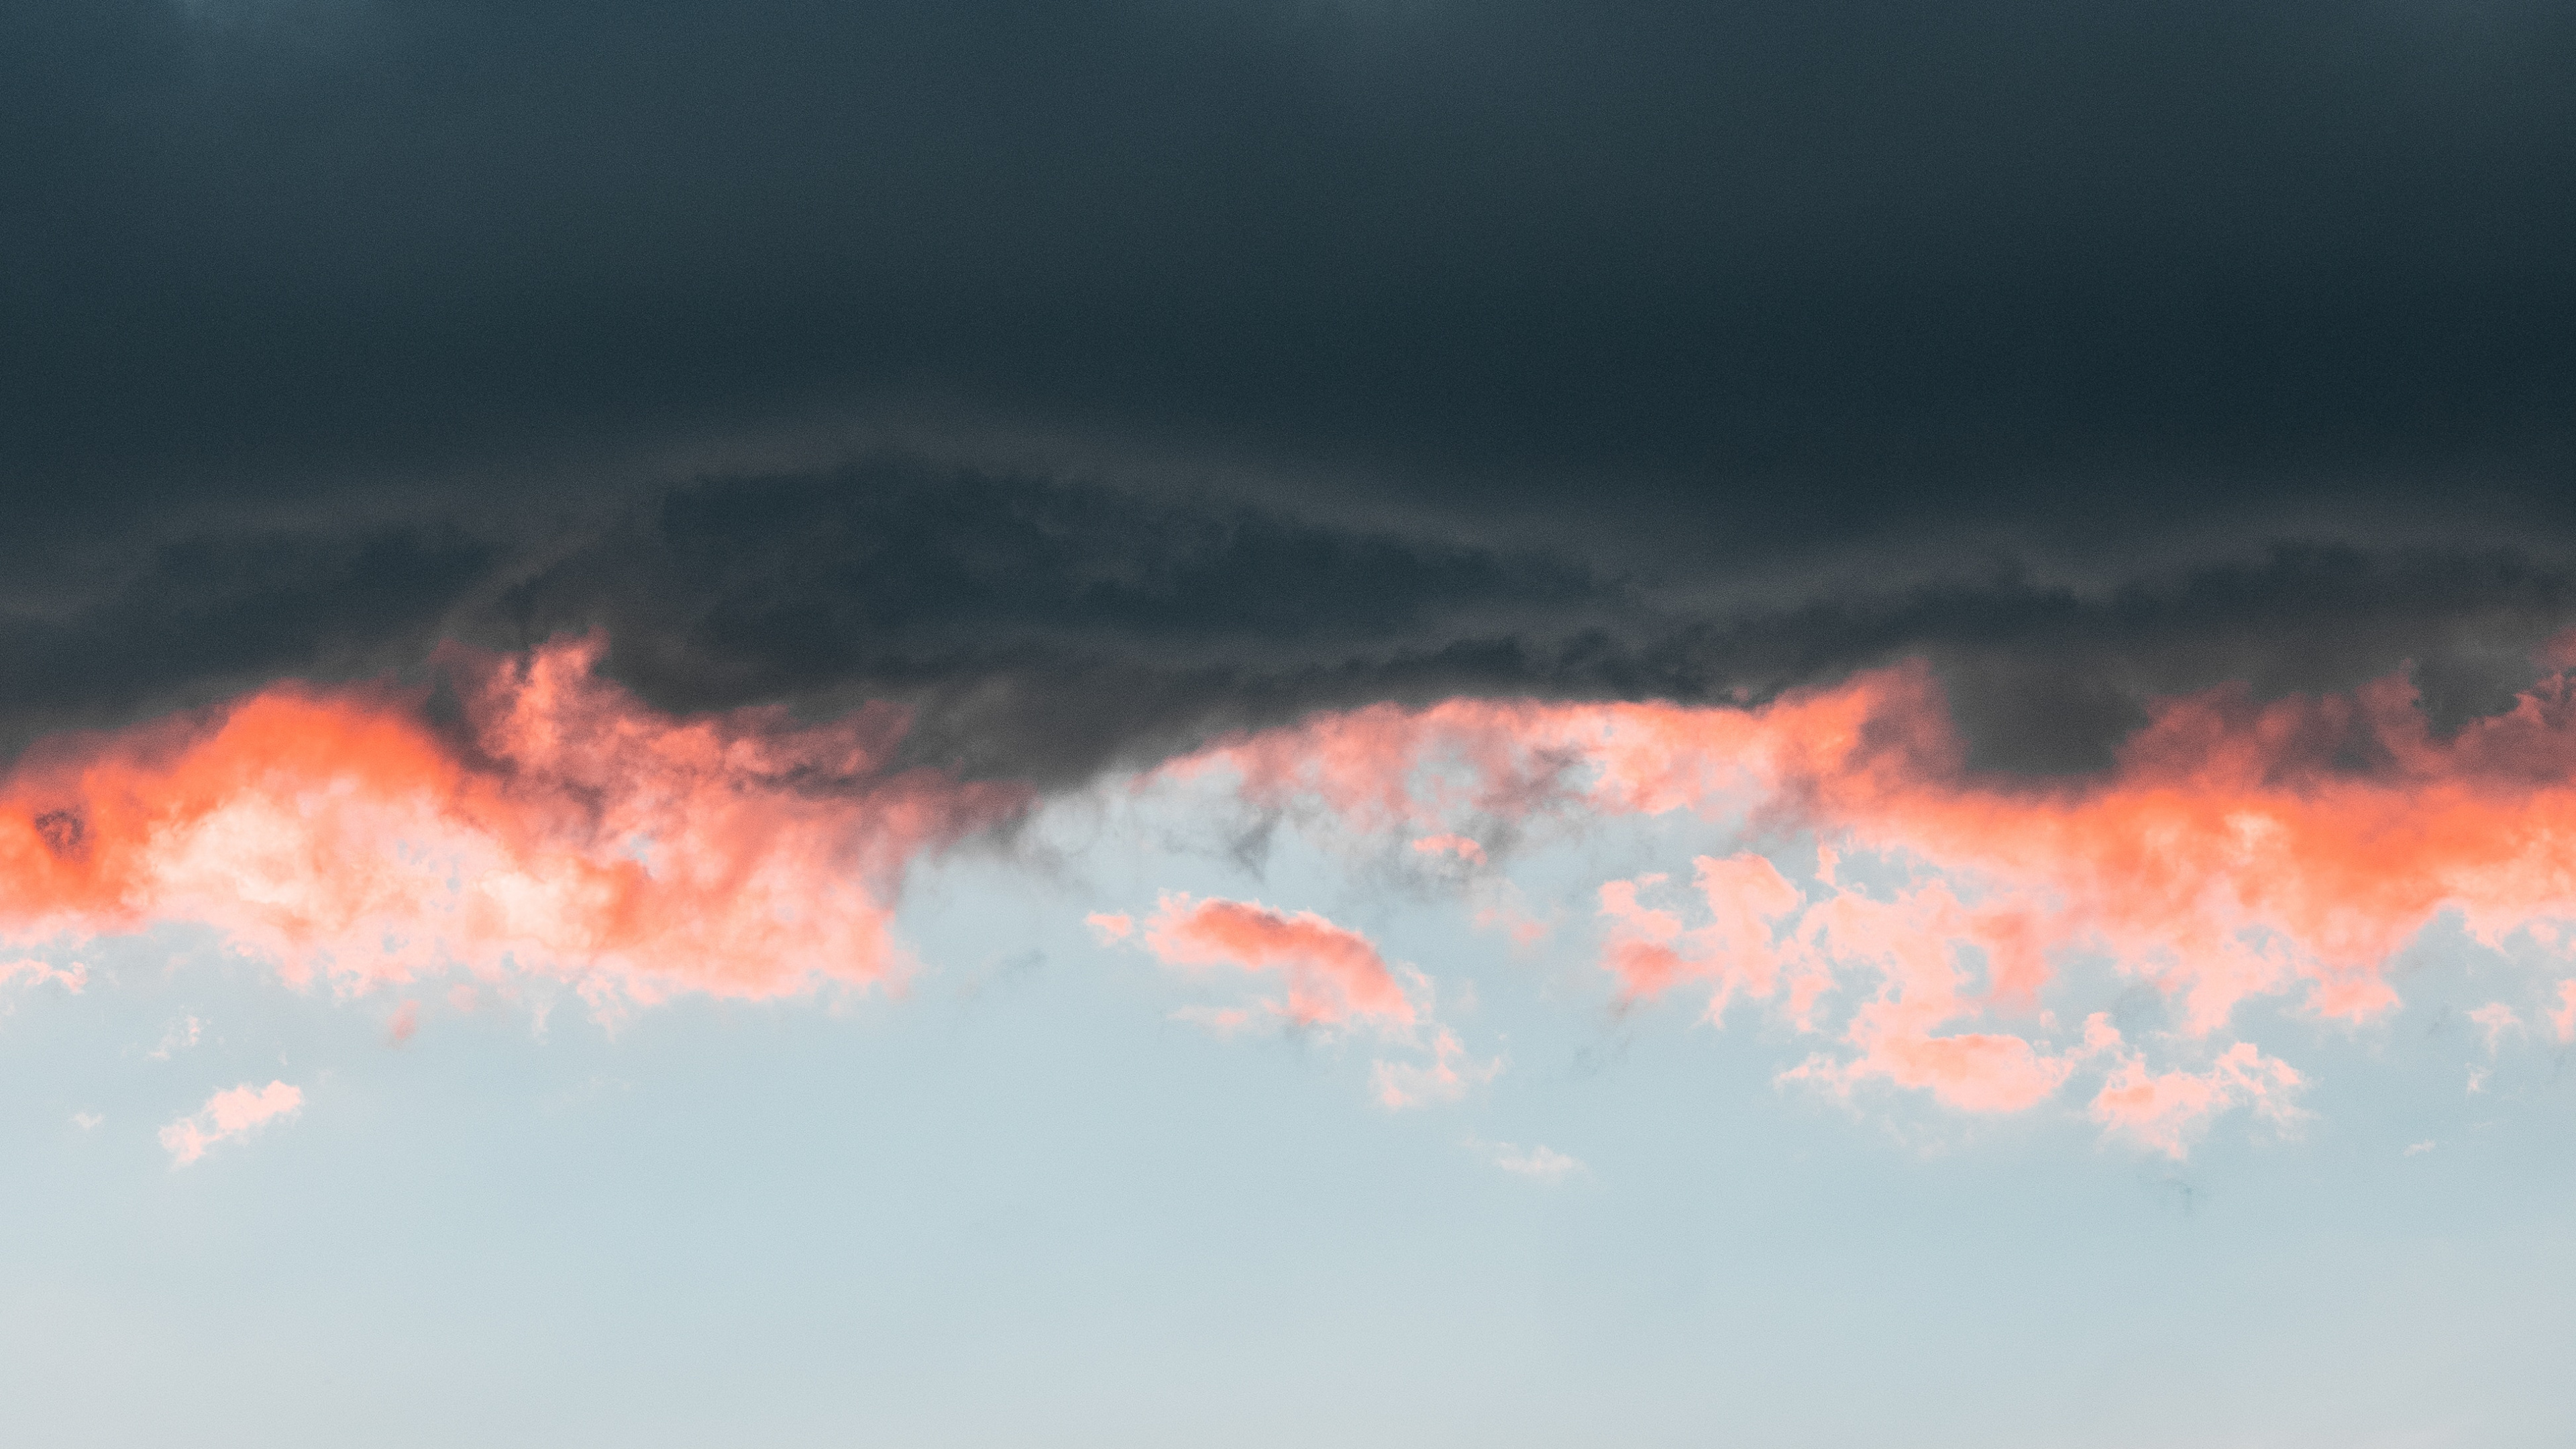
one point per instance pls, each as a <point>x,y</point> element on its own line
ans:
<point>233,1112</point>
<point>1537,1162</point>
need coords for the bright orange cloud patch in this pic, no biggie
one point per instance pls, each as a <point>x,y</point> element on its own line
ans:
<point>556,827</point>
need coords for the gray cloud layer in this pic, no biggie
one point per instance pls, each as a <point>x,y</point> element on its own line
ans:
<point>1371,351</point>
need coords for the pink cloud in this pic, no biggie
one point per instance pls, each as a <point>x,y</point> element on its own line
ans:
<point>405,1022</point>
<point>71,978</point>
<point>2228,855</point>
<point>229,1114</point>
<point>1913,943</point>
<point>2231,853</point>
<point>2165,1110</point>
<point>1739,949</point>
<point>1763,934</point>
<point>1457,845</point>
<point>1334,975</point>
<point>1110,927</point>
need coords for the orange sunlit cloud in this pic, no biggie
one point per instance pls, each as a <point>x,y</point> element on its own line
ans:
<point>558,828</point>
<point>2239,849</point>
<point>549,825</point>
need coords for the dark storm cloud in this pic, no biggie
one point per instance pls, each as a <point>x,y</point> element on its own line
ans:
<point>193,621</point>
<point>1377,350</point>
<point>1055,629</point>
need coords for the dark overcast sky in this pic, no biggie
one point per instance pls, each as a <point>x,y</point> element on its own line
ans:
<point>1098,374</point>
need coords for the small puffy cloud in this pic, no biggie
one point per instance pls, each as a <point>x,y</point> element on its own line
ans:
<point>87,1121</point>
<point>405,1022</point>
<point>2563,1020</point>
<point>1334,975</point>
<point>1536,1162</point>
<point>232,1113</point>
<point>1110,926</point>
<point>2418,1149</point>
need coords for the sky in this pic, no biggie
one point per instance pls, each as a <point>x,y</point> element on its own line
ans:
<point>1327,722</point>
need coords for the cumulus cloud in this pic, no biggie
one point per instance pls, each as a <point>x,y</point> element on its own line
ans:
<point>229,1115</point>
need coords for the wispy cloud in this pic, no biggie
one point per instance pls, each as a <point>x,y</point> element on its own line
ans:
<point>2495,1019</point>
<point>1536,1162</point>
<point>71,978</point>
<point>1445,1078</point>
